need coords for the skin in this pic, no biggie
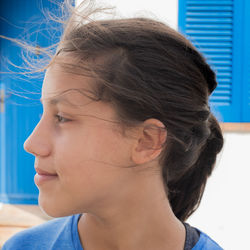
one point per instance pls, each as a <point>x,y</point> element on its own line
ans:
<point>112,179</point>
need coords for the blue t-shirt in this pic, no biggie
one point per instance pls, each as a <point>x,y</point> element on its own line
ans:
<point>62,234</point>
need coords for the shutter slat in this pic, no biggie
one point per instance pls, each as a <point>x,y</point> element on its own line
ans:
<point>216,57</point>
<point>209,32</point>
<point>213,44</point>
<point>221,63</point>
<point>222,87</point>
<point>224,92</point>
<point>224,80</point>
<point>225,74</point>
<point>200,8</point>
<point>210,26</point>
<point>208,3</point>
<point>222,99</point>
<point>212,39</point>
<point>209,20</point>
<point>209,14</point>
<point>209,51</point>
<point>223,69</point>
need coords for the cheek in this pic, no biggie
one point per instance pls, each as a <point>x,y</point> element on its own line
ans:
<point>91,155</point>
<point>96,143</point>
<point>89,167</point>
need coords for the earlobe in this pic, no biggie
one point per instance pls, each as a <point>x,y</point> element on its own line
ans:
<point>150,141</point>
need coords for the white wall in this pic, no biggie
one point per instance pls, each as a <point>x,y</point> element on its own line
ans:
<point>165,10</point>
<point>225,207</point>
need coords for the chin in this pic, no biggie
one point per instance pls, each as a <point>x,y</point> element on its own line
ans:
<point>52,209</point>
<point>56,210</point>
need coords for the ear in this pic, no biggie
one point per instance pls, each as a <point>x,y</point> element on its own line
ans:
<point>149,141</point>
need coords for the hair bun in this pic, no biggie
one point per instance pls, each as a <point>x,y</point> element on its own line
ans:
<point>203,115</point>
<point>210,77</point>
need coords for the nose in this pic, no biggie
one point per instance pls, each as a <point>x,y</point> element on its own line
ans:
<point>38,143</point>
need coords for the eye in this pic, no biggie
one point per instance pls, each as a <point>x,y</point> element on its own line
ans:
<point>61,119</point>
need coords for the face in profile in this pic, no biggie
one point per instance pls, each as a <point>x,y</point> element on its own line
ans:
<point>78,139</point>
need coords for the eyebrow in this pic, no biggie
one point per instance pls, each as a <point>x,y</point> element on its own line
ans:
<point>60,99</point>
<point>53,101</point>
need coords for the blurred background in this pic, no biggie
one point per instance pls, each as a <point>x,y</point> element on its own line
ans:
<point>218,28</point>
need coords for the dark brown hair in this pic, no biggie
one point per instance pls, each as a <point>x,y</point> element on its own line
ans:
<point>148,70</point>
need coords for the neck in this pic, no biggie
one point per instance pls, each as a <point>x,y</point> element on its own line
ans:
<point>143,220</point>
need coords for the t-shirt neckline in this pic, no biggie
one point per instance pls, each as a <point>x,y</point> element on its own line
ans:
<point>75,234</point>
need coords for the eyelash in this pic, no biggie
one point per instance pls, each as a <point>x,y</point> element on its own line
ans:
<point>60,118</point>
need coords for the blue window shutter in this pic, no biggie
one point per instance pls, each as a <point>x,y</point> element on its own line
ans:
<point>22,20</point>
<point>212,27</point>
<point>246,63</point>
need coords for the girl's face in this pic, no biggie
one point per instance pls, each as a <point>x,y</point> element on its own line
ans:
<point>76,140</point>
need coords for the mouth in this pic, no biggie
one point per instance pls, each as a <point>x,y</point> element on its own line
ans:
<point>43,177</point>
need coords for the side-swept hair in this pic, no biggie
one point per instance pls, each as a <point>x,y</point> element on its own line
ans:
<point>148,70</point>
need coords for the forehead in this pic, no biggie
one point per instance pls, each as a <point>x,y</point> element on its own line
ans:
<point>58,79</point>
<point>60,84</point>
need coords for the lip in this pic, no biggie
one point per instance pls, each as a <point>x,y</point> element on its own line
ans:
<point>43,176</point>
<point>43,172</point>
